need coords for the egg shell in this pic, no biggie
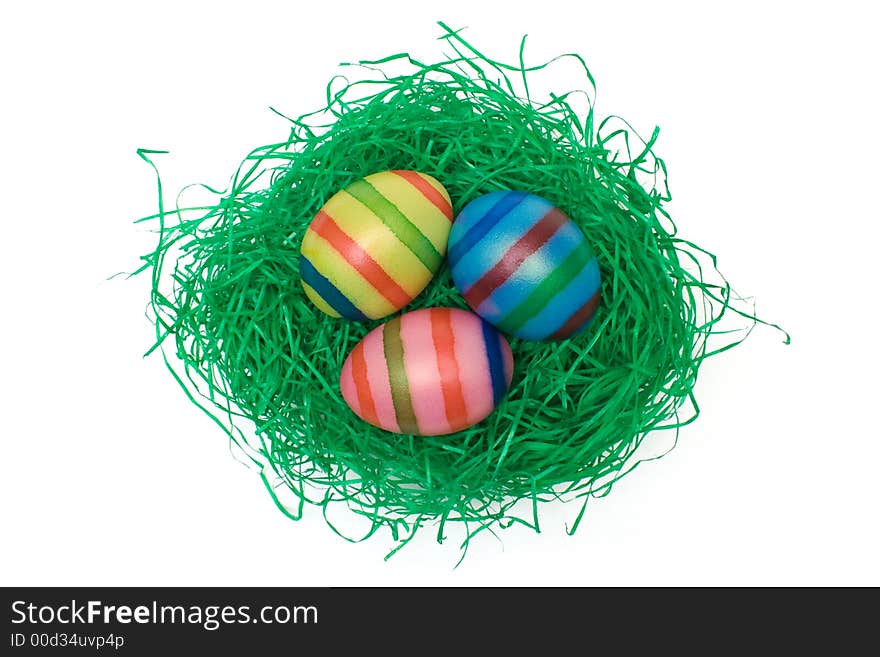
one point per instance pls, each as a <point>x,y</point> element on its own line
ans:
<point>524,265</point>
<point>428,372</point>
<point>376,244</point>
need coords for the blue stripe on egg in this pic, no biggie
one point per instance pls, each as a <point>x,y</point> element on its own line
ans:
<point>504,203</point>
<point>496,363</point>
<point>551,318</point>
<point>532,271</point>
<point>329,292</point>
<point>496,242</point>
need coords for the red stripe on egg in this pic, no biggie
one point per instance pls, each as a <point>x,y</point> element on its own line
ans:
<point>525,246</point>
<point>428,191</point>
<point>473,364</point>
<point>448,366</point>
<point>580,316</point>
<point>326,227</point>
<point>362,385</point>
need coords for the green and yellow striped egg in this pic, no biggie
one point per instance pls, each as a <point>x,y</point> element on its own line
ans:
<point>375,245</point>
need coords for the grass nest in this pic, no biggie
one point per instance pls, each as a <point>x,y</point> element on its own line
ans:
<point>239,334</point>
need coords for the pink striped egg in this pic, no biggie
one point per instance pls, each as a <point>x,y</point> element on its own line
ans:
<point>428,372</point>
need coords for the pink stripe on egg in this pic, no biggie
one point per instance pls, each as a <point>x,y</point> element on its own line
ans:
<point>377,375</point>
<point>349,391</point>
<point>422,372</point>
<point>507,355</point>
<point>473,364</point>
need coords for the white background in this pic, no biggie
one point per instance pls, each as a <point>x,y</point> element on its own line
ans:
<point>768,111</point>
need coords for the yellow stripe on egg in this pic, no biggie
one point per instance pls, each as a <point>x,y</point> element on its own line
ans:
<point>318,300</point>
<point>345,277</point>
<point>365,228</point>
<point>426,216</point>
<point>436,185</point>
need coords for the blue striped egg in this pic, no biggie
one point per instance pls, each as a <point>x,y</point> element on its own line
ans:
<point>524,266</point>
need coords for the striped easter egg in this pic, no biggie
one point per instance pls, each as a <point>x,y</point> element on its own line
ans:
<point>376,244</point>
<point>428,372</point>
<point>524,266</point>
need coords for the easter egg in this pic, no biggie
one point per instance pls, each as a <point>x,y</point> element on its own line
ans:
<point>524,266</point>
<point>428,372</point>
<point>376,244</point>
